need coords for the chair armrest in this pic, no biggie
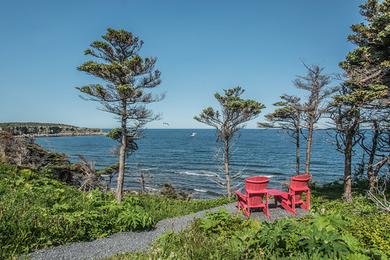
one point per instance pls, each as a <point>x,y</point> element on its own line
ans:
<point>255,192</point>
<point>241,195</point>
<point>301,189</point>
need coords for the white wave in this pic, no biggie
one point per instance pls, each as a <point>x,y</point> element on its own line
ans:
<point>197,173</point>
<point>200,190</point>
<point>147,169</point>
<point>151,189</point>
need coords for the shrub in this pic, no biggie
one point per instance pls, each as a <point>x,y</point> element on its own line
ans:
<point>373,231</point>
<point>37,211</point>
<point>333,230</point>
<point>220,222</point>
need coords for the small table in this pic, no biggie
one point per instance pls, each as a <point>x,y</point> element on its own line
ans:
<point>277,194</point>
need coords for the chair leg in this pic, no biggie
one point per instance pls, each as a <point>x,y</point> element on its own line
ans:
<point>306,205</point>
<point>289,204</point>
<point>247,212</point>
<point>286,206</point>
<point>266,209</point>
<point>294,211</point>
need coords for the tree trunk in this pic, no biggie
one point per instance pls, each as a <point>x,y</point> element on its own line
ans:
<point>347,196</point>
<point>308,148</point>
<point>297,151</point>
<point>371,175</point>
<point>122,158</point>
<point>226,168</point>
<point>375,171</point>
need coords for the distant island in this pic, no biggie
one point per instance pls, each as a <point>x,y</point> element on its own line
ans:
<point>47,129</point>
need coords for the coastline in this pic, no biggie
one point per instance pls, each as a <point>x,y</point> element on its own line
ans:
<point>63,134</point>
<point>34,129</point>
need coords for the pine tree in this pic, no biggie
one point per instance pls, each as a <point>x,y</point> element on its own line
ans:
<point>317,84</point>
<point>234,112</point>
<point>128,79</point>
<point>288,116</point>
<point>367,72</point>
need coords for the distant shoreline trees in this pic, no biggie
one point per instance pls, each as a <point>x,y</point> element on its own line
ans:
<point>128,79</point>
<point>234,112</point>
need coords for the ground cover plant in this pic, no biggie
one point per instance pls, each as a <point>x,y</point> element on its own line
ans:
<point>334,229</point>
<point>37,211</point>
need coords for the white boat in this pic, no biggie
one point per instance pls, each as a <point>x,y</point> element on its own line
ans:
<point>193,134</point>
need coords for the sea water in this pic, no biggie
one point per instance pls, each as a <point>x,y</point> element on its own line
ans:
<point>190,161</point>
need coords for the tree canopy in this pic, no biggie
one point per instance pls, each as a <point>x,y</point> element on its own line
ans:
<point>234,112</point>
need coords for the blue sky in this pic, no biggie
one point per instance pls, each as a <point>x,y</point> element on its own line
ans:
<point>202,47</point>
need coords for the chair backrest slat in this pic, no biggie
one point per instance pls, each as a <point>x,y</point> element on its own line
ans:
<point>256,183</point>
<point>300,181</point>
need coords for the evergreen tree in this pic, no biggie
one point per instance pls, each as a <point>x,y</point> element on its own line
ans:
<point>367,72</point>
<point>234,112</point>
<point>368,65</point>
<point>287,116</point>
<point>317,84</point>
<point>128,79</point>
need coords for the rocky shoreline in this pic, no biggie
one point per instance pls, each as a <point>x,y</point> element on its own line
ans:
<point>66,134</point>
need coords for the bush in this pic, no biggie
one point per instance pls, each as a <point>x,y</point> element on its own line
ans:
<point>333,230</point>
<point>37,211</point>
<point>373,231</point>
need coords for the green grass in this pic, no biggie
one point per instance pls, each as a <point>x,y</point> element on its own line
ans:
<point>37,211</point>
<point>332,230</point>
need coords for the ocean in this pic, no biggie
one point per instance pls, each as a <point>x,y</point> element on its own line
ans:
<point>189,161</point>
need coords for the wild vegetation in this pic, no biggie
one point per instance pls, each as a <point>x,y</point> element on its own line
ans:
<point>38,207</point>
<point>334,229</point>
<point>38,211</point>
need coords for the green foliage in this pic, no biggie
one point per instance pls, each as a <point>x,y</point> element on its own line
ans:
<point>37,211</point>
<point>289,112</point>
<point>116,61</point>
<point>219,222</point>
<point>130,79</point>
<point>234,111</point>
<point>360,96</point>
<point>333,230</point>
<point>368,64</point>
<point>131,138</point>
<point>163,207</point>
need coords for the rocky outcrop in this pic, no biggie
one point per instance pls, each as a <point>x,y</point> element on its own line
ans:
<point>44,129</point>
<point>23,152</point>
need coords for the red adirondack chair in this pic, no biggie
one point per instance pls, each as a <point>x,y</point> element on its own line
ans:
<point>255,196</point>
<point>298,186</point>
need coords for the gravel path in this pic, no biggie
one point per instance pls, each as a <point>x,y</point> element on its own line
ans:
<point>138,241</point>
